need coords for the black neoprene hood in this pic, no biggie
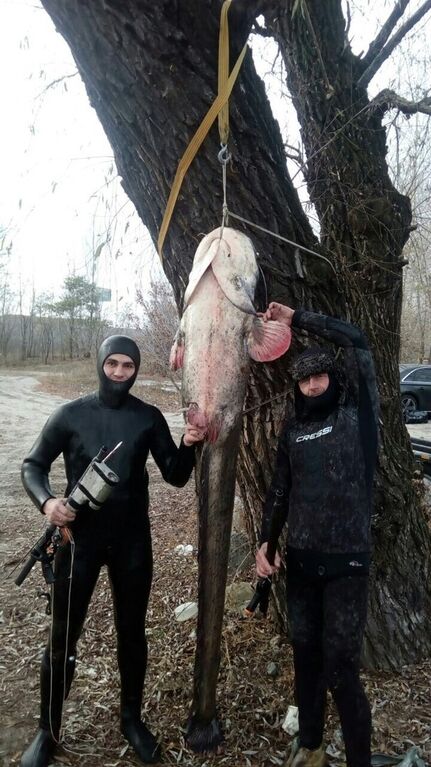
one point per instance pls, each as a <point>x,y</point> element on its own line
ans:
<point>114,392</point>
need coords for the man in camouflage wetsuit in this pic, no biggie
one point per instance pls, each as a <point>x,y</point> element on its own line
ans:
<point>323,484</point>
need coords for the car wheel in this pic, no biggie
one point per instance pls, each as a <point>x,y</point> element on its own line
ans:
<point>409,404</point>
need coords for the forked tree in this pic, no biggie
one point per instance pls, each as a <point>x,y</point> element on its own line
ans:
<point>150,69</point>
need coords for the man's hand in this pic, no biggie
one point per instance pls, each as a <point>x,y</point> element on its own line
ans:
<point>193,434</point>
<point>278,312</point>
<point>57,513</point>
<point>263,568</point>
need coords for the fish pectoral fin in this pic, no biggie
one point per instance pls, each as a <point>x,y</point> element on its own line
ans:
<point>204,256</point>
<point>268,340</point>
<point>176,356</point>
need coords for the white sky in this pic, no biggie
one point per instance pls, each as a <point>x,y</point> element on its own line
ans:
<point>55,158</point>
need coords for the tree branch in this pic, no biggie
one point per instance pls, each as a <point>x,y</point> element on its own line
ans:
<point>294,153</point>
<point>388,99</point>
<point>56,82</point>
<point>379,41</point>
<point>386,51</point>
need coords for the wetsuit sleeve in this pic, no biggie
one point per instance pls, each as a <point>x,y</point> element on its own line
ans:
<point>36,466</point>
<point>276,506</point>
<point>175,463</point>
<point>360,371</point>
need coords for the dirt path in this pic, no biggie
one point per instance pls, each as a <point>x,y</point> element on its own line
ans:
<point>252,703</point>
<point>23,411</point>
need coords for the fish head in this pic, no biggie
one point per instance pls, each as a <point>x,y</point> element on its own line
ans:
<point>231,257</point>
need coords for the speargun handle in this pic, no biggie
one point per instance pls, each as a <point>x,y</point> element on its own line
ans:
<point>37,554</point>
<point>263,586</point>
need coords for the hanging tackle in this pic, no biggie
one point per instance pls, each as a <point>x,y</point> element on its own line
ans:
<point>220,332</point>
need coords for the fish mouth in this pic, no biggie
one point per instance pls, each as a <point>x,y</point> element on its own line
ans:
<point>211,425</point>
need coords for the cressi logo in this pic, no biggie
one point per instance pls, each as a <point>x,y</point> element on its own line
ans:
<point>316,435</point>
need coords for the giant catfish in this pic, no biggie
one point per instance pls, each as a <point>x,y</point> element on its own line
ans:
<point>219,332</point>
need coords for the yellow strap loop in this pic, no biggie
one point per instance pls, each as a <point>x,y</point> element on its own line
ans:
<point>223,71</point>
<point>201,133</point>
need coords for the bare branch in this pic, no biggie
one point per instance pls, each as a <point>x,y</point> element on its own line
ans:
<point>293,153</point>
<point>388,99</point>
<point>386,51</point>
<point>348,20</point>
<point>386,30</point>
<point>56,82</point>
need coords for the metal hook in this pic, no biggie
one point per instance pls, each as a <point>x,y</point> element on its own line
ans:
<point>224,155</point>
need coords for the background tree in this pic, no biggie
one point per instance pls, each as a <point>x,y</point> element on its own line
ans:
<point>150,73</point>
<point>416,316</point>
<point>409,141</point>
<point>46,326</point>
<point>157,324</point>
<point>7,298</point>
<point>80,306</point>
<point>26,322</point>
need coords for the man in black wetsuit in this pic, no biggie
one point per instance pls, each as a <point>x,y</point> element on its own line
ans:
<point>117,536</point>
<point>322,486</point>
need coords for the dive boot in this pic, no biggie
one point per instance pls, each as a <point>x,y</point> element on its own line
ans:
<point>40,751</point>
<point>144,743</point>
<point>306,757</point>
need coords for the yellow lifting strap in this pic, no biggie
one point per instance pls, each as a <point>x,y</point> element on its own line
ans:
<point>219,107</point>
<point>223,71</point>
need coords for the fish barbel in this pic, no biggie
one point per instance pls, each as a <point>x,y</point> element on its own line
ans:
<point>220,331</point>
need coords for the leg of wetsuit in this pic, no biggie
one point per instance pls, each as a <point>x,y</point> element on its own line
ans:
<point>304,607</point>
<point>58,664</point>
<point>345,610</point>
<point>130,571</point>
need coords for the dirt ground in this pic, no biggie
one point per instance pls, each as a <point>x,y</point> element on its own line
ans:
<point>252,704</point>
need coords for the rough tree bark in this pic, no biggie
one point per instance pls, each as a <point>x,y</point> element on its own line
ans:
<point>150,73</point>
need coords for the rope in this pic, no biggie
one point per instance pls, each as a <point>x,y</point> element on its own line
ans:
<point>284,239</point>
<point>197,141</point>
<point>223,157</point>
<point>266,402</point>
<point>66,649</point>
<point>223,122</point>
<point>220,108</point>
<point>65,746</point>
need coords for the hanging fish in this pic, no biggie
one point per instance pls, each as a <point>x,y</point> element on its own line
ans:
<point>220,331</point>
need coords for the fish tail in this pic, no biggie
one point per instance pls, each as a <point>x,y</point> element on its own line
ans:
<point>216,478</point>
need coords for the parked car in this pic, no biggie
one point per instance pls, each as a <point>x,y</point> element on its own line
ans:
<point>415,384</point>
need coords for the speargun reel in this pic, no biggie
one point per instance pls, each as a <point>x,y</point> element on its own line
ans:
<point>93,488</point>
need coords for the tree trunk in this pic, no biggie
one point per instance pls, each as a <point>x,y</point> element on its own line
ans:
<point>150,73</point>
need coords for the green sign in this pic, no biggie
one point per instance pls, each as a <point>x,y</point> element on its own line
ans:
<point>103,294</point>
